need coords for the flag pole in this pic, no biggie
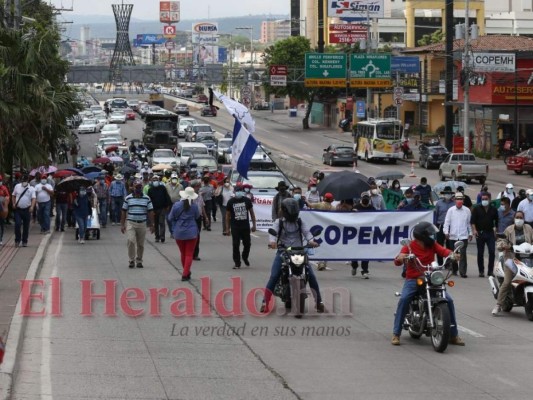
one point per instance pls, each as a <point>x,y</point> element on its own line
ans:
<point>275,164</point>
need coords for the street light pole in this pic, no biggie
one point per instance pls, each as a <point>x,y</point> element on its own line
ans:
<point>251,29</point>
<point>466,87</point>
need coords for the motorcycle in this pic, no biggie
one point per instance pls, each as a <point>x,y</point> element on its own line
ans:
<point>521,294</point>
<point>428,311</point>
<point>291,287</point>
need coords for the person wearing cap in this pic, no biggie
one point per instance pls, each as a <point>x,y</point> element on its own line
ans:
<point>23,200</point>
<point>457,227</point>
<point>516,201</point>
<point>101,189</point>
<point>484,227</point>
<point>239,211</point>
<point>425,191</point>
<point>44,192</point>
<point>136,211</point>
<point>508,192</point>
<point>526,206</point>
<point>161,203</point>
<point>248,191</point>
<point>283,193</point>
<point>4,207</point>
<point>166,176</point>
<point>467,201</point>
<point>439,215</point>
<point>117,193</point>
<point>183,217</point>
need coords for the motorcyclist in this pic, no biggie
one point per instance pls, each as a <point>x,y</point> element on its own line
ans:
<point>515,234</point>
<point>424,247</point>
<point>293,233</point>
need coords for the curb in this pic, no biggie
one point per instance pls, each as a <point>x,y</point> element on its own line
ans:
<point>17,327</point>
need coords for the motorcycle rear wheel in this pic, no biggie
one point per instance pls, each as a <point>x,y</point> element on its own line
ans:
<point>440,333</point>
<point>507,304</point>
<point>528,307</point>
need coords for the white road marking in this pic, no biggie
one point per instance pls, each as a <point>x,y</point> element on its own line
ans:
<point>46,376</point>
<point>469,332</point>
<point>254,235</point>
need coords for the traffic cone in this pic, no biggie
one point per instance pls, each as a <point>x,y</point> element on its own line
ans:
<point>412,175</point>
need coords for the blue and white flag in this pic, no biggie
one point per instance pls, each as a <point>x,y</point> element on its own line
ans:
<point>242,149</point>
<point>237,110</point>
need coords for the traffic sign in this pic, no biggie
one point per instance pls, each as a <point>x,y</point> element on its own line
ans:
<point>278,70</point>
<point>398,95</point>
<point>406,65</point>
<point>370,70</point>
<point>278,75</point>
<point>169,45</point>
<point>169,31</point>
<point>325,70</point>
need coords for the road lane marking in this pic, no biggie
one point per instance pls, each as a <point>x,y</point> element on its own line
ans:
<point>469,332</point>
<point>254,235</point>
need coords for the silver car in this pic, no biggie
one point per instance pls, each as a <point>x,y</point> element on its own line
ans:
<point>89,126</point>
<point>117,117</point>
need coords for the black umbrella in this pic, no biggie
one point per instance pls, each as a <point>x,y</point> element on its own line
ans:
<point>390,175</point>
<point>128,169</point>
<point>91,168</point>
<point>73,184</point>
<point>344,185</point>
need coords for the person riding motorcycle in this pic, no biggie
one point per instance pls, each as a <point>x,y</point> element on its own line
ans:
<point>424,247</point>
<point>515,234</point>
<point>293,233</point>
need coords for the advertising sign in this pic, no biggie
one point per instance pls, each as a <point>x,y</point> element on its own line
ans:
<point>169,11</point>
<point>169,31</point>
<point>494,62</point>
<point>347,37</point>
<point>205,28</point>
<point>198,38</point>
<point>348,27</point>
<point>150,38</point>
<point>360,109</point>
<point>278,75</point>
<point>203,55</point>
<point>358,9</point>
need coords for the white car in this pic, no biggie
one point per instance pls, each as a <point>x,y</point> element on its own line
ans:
<point>89,126</point>
<point>114,136</point>
<point>104,144</point>
<point>164,156</point>
<point>183,124</point>
<point>117,117</point>
<point>101,118</point>
<point>110,129</point>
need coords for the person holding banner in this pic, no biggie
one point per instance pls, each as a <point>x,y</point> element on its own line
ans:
<point>364,205</point>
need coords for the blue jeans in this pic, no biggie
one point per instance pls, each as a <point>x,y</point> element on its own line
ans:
<point>102,203</point>
<point>61,215</point>
<point>275,274</point>
<point>22,225</point>
<point>82,225</point>
<point>410,289</point>
<point>116,204</point>
<point>43,215</point>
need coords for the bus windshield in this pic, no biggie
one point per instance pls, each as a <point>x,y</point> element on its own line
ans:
<point>387,131</point>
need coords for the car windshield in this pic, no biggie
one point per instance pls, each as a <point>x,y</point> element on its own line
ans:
<point>263,182</point>
<point>107,142</point>
<point>163,153</point>
<point>89,122</point>
<point>113,136</point>
<point>186,123</point>
<point>344,150</point>
<point>110,128</point>
<point>438,150</point>
<point>205,138</point>
<point>386,131</point>
<point>202,128</point>
<point>224,144</point>
<point>117,114</point>
<point>204,162</point>
<point>194,150</point>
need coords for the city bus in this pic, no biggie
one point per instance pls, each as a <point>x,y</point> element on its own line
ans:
<point>378,139</point>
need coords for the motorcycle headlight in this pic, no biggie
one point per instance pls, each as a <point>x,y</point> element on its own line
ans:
<point>437,278</point>
<point>297,259</point>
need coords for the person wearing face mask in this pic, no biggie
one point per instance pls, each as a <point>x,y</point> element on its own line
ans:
<point>515,234</point>
<point>457,227</point>
<point>395,187</point>
<point>207,192</point>
<point>508,192</point>
<point>376,198</point>
<point>526,206</point>
<point>297,195</point>
<point>516,201</point>
<point>101,189</point>
<point>467,201</point>
<point>223,194</point>
<point>484,226</point>
<point>44,192</point>
<point>82,211</point>
<point>248,191</point>
<point>173,187</point>
<point>283,193</point>
<point>117,193</point>
<point>484,190</point>
<point>161,203</point>
<point>425,191</point>
<point>239,211</point>
<point>23,200</point>
<point>439,215</point>
<point>364,205</point>
<point>409,198</point>
<point>312,196</point>
<point>505,215</point>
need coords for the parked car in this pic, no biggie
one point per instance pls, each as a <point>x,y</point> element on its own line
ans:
<point>521,162</point>
<point>183,124</point>
<point>110,129</point>
<point>89,126</point>
<point>222,146</point>
<point>262,105</point>
<point>130,114</point>
<point>431,155</point>
<point>209,111</point>
<point>463,167</point>
<point>194,129</point>
<point>338,154</point>
<point>202,161</point>
<point>164,156</point>
<point>117,117</point>
<point>202,98</point>
<point>181,109</point>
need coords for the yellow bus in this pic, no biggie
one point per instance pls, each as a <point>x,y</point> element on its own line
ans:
<point>378,139</point>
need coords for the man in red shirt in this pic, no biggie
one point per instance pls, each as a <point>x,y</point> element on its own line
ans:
<point>424,247</point>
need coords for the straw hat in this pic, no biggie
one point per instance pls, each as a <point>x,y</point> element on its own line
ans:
<point>188,194</point>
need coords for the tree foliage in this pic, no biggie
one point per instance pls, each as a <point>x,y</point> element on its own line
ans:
<point>435,37</point>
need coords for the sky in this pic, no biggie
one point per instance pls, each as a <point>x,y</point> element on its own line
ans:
<point>190,9</point>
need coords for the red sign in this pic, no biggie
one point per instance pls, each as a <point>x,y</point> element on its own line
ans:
<point>348,27</point>
<point>169,11</point>
<point>342,37</point>
<point>169,31</point>
<point>278,70</point>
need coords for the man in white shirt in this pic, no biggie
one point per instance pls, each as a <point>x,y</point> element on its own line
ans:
<point>457,227</point>
<point>508,192</point>
<point>23,201</point>
<point>44,192</point>
<point>526,206</point>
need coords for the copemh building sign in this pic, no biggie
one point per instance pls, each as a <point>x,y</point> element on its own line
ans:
<point>493,62</point>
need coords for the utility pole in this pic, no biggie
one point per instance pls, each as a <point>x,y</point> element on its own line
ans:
<point>448,106</point>
<point>368,51</point>
<point>466,86</point>
<point>320,18</point>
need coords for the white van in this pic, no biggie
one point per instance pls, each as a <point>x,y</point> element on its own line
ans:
<point>185,149</point>
<point>98,88</point>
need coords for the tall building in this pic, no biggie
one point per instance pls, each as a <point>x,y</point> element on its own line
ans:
<point>85,37</point>
<point>272,31</point>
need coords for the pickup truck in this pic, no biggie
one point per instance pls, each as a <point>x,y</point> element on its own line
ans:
<point>463,167</point>
<point>161,131</point>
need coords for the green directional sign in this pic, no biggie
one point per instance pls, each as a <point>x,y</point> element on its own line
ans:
<point>325,70</point>
<point>370,70</point>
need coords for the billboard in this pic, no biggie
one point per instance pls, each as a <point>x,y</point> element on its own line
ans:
<point>356,9</point>
<point>203,55</point>
<point>169,12</point>
<point>150,38</point>
<point>198,38</point>
<point>204,28</point>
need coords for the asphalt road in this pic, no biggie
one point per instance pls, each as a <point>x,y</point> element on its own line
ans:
<point>198,344</point>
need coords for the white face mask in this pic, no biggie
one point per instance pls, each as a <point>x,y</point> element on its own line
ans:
<point>24,184</point>
<point>519,222</point>
<point>313,189</point>
<point>43,181</point>
<point>509,190</point>
<point>174,181</point>
<point>374,191</point>
<point>484,203</point>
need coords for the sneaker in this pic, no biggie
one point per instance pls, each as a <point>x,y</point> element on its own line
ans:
<point>157,240</point>
<point>321,266</point>
<point>24,244</point>
<point>214,218</point>
<point>354,271</point>
<point>365,275</point>
<point>185,278</point>
<point>395,340</point>
<point>1,243</point>
<point>82,241</point>
<point>457,341</point>
<point>112,224</point>
<point>209,229</point>
<point>163,240</point>
<point>131,264</point>
<point>320,307</point>
<point>464,276</point>
<point>454,273</point>
<point>481,275</point>
<point>17,244</point>
<point>264,309</point>
<point>196,258</point>
<point>139,265</point>
<point>496,310</point>
<point>246,262</point>
<point>237,266</point>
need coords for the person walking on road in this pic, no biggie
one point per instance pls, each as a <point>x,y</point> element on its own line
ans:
<point>136,210</point>
<point>82,212</point>
<point>117,193</point>
<point>457,227</point>
<point>161,202</point>
<point>199,201</point>
<point>101,189</point>
<point>207,192</point>
<point>526,206</point>
<point>23,202</point>
<point>4,207</point>
<point>516,201</point>
<point>183,217</point>
<point>484,226</point>
<point>223,194</point>
<point>44,192</point>
<point>508,192</point>
<point>62,200</point>
<point>239,210</point>
<point>283,193</point>
<point>439,215</point>
<point>365,205</point>
<point>506,215</point>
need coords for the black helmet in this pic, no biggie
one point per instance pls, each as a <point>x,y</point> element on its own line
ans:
<point>290,209</point>
<point>425,232</point>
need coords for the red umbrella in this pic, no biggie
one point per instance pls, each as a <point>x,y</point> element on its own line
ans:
<point>63,173</point>
<point>101,160</point>
<point>110,149</point>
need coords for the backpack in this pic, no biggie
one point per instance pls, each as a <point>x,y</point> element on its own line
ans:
<point>281,229</point>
